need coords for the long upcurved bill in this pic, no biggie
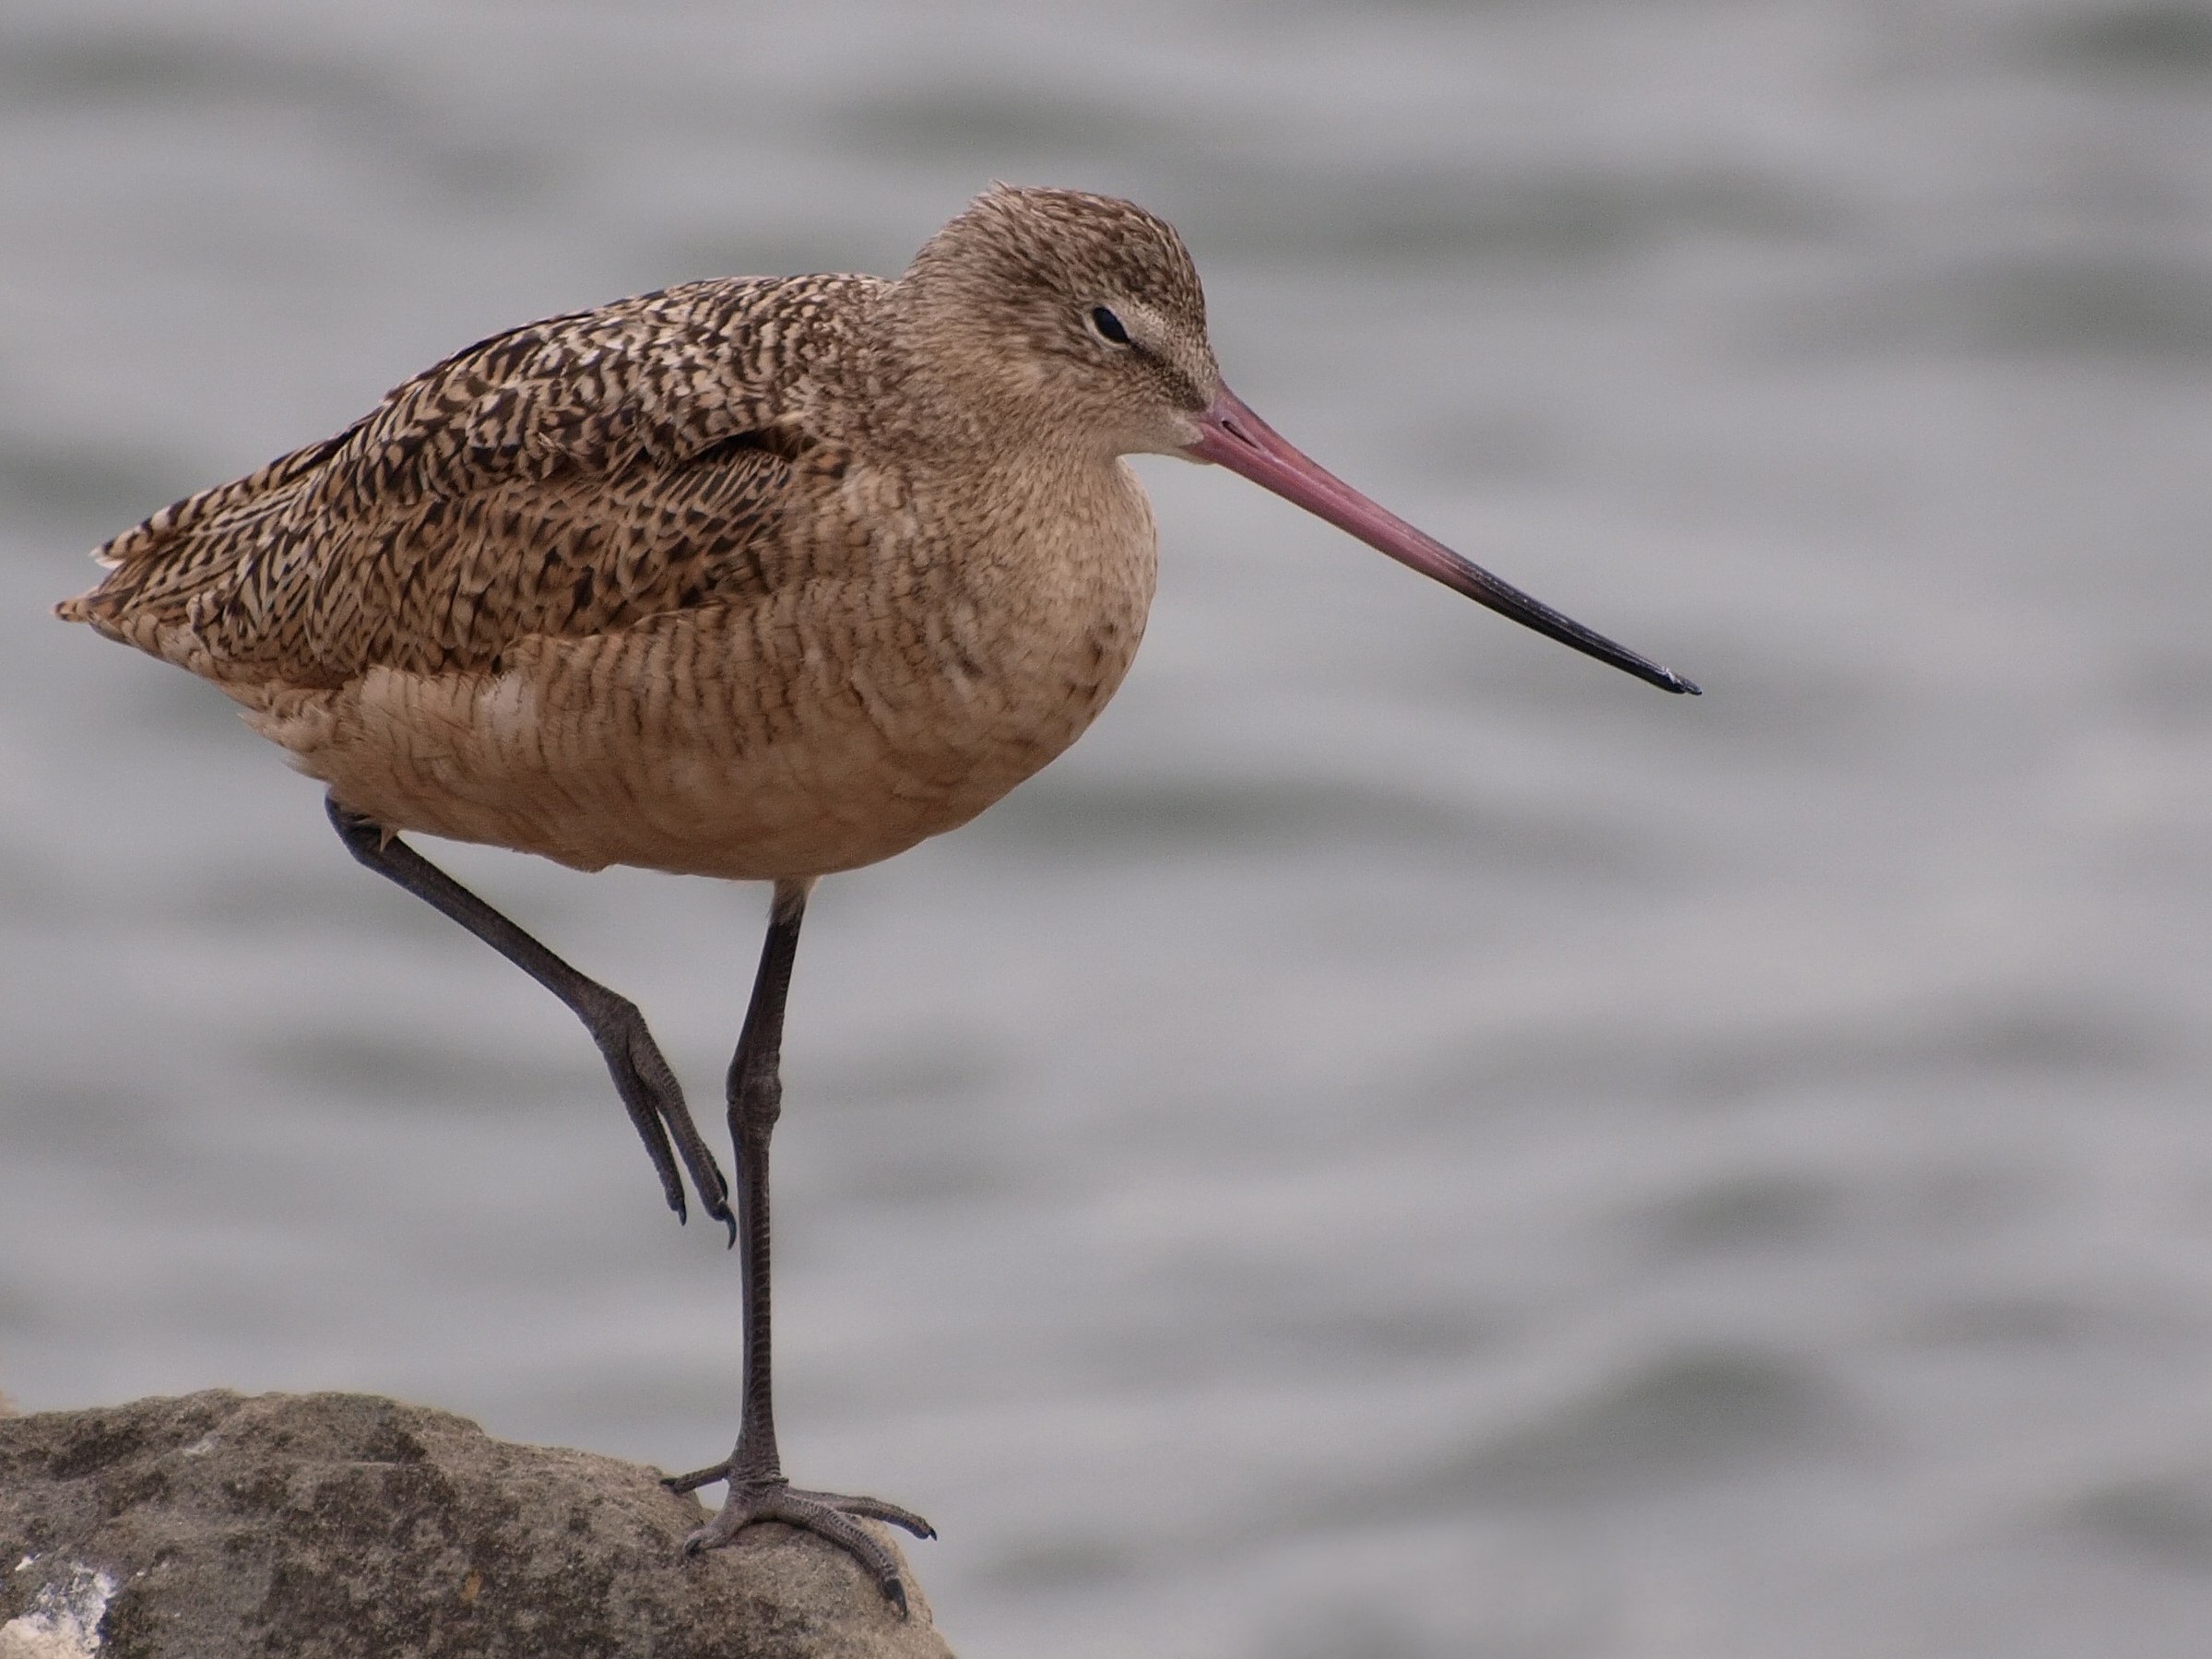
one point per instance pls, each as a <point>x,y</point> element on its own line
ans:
<point>1232,436</point>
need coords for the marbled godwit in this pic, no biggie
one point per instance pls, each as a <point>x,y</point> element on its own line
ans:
<point>760,578</point>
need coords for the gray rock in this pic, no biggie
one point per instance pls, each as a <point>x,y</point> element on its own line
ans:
<point>327,1526</point>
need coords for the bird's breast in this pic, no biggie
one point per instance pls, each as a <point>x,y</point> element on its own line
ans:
<point>1001,629</point>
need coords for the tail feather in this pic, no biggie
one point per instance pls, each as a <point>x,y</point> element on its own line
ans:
<point>157,569</point>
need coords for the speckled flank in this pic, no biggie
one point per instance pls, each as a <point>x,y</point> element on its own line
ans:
<point>754,578</point>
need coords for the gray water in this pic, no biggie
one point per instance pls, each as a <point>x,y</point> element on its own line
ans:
<point>1405,1142</point>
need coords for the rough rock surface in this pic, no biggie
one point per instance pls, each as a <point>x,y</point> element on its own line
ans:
<point>327,1526</point>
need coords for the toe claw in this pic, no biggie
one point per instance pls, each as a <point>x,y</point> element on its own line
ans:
<point>875,1509</point>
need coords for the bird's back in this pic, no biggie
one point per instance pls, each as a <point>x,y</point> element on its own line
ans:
<point>566,478</point>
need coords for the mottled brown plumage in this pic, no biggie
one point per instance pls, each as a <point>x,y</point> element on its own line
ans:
<point>758,578</point>
<point>709,580</point>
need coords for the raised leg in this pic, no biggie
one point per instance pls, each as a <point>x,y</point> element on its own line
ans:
<point>758,1490</point>
<point>649,1090</point>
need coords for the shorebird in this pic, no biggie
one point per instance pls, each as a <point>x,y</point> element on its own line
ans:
<point>763,578</point>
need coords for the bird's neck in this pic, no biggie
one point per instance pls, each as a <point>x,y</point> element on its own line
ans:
<point>946,393</point>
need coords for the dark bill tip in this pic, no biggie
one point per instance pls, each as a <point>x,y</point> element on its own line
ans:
<point>1232,436</point>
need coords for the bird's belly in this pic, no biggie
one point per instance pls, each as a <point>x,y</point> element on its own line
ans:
<point>742,745</point>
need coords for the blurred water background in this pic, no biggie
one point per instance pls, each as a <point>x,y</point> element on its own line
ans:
<point>1405,1143</point>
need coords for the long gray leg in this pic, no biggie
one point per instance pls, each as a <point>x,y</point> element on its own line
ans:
<point>649,1090</point>
<point>758,1490</point>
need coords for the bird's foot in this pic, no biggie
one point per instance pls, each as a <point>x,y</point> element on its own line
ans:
<point>655,1101</point>
<point>826,1514</point>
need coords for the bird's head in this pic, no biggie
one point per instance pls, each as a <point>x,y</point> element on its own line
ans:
<point>1076,323</point>
<point>1079,317</point>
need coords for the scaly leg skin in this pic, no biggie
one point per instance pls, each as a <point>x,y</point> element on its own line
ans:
<point>758,1490</point>
<point>649,1090</point>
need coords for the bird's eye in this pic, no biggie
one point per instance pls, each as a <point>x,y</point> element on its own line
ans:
<point>1108,325</point>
